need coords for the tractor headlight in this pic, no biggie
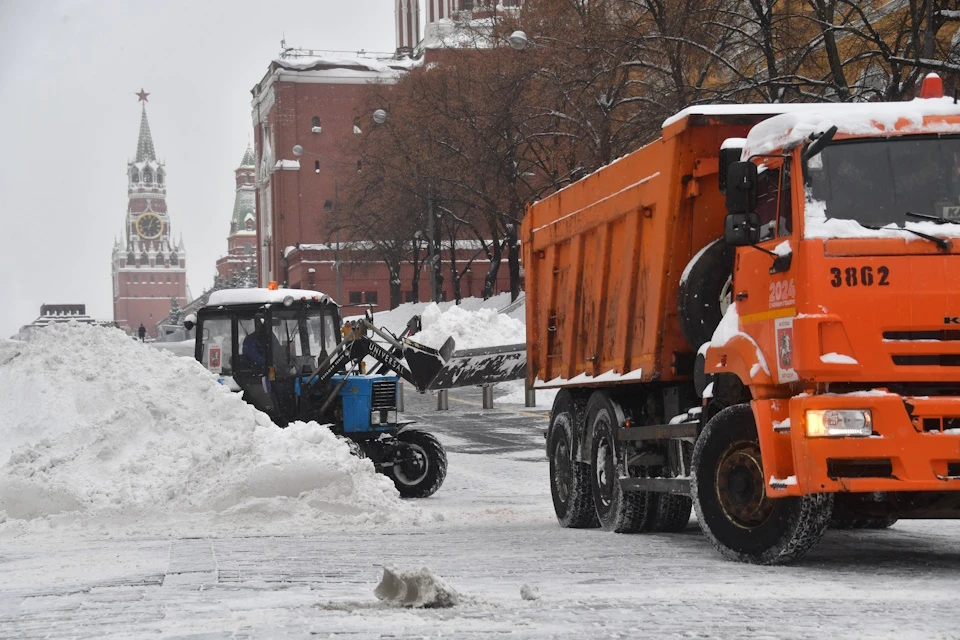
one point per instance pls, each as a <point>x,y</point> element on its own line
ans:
<point>287,301</point>
<point>839,423</point>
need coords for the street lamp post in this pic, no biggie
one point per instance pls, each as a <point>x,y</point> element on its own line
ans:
<point>336,249</point>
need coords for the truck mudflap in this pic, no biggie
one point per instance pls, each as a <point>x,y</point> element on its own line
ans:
<point>469,367</point>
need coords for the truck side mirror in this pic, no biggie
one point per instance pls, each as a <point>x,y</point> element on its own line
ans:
<point>742,187</point>
<point>730,152</point>
<point>190,322</point>
<point>741,229</point>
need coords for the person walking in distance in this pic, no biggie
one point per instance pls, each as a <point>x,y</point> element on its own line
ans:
<point>142,332</point>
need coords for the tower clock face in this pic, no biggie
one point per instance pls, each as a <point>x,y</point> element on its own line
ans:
<point>149,226</point>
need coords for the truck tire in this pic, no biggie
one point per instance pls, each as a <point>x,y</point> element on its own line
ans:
<point>673,513</point>
<point>705,292</point>
<point>729,496</point>
<point>422,465</point>
<point>863,523</point>
<point>569,479</point>
<point>617,510</point>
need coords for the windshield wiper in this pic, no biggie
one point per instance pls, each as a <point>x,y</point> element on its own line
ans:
<point>942,243</point>
<point>924,216</point>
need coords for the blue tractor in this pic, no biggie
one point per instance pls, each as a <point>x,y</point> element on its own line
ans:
<point>288,353</point>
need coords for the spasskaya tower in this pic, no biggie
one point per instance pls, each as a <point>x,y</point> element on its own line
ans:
<point>149,266</point>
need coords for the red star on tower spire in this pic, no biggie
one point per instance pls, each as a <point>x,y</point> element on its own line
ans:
<point>142,95</point>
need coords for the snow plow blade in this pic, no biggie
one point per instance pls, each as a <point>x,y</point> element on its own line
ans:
<point>425,363</point>
<point>472,367</point>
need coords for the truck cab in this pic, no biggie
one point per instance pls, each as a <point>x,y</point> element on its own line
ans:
<point>847,290</point>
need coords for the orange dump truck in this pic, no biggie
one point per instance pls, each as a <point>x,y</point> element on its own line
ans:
<point>756,316</point>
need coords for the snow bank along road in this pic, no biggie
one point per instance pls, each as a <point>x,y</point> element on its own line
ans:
<point>497,534</point>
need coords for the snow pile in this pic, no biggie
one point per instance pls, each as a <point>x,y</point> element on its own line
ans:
<point>396,319</point>
<point>99,428</point>
<point>470,329</point>
<point>516,394</point>
<point>418,588</point>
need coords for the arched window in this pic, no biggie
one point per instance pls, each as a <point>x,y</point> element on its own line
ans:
<point>144,259</point>
<point>249,224</point>
<point>147,176</point>
<point>173,260</point>
<point>160,262</point>
<point>247,247</point>
<point>159,177</point>
<point>315,122</point>
<point>131,259</point>
<point>134,175</point>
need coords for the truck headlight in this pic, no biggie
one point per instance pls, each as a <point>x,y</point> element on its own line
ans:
<point>838,423</point>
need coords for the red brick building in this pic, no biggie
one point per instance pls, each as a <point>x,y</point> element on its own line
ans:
<point>312,100</point>
<point>242,239</point>
<point>149,266</point>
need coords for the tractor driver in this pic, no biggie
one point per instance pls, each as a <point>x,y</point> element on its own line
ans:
<point>254,351</point>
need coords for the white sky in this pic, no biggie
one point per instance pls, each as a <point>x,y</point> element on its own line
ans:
<point>68,73</point>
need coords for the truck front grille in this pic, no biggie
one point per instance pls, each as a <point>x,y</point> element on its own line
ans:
<point>937,360</point>
<point>939,335</point>
<point>385,394</point>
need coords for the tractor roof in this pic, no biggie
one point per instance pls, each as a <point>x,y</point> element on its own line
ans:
<point>263,296</point>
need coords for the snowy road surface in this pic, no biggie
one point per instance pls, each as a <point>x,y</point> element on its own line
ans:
<point>497,534</point>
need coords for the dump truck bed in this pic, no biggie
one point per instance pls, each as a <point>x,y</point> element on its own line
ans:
<point>603,259</point>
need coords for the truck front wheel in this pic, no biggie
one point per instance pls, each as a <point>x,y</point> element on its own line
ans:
<point>420,466</point>
<point>569,479</point>
<point>618,510</point>
<point>728,488</point>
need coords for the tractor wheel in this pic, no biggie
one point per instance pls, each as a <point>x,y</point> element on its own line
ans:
<point>569,479</point>
<point>729,495</point>
<point>421,465</point>
<point>706,290</point>
<point>618,510</point>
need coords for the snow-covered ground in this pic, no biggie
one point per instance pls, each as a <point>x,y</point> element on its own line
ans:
<point>497,535</point>
<point>142,501</point>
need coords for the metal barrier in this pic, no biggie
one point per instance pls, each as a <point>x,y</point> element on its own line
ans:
<point>443,401</point>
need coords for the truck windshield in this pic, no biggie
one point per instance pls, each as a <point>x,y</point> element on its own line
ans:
<point>879,182</point>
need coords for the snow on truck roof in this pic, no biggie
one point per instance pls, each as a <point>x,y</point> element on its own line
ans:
<point>262,296</point>
<point>791,124</point>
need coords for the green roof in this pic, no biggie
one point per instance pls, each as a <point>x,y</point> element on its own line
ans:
<point>145,141</point>
<point>248,159</point>
<point>243,206</point>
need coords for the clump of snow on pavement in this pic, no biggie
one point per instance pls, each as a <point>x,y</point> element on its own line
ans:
<point>417,588</point>
<point>96,427</point>
<point>470,329</point>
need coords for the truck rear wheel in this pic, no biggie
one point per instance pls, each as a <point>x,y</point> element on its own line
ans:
<point>618,511</point>
<point>728,488</point>
<point>705,292</point>
<point>569,479</point>
<point>421,465</point>
<point>673,513</point>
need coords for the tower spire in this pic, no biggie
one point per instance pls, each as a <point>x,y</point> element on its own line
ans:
<point>145,149</point>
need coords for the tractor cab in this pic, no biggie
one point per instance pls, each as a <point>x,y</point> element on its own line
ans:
<point>266,342</point>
